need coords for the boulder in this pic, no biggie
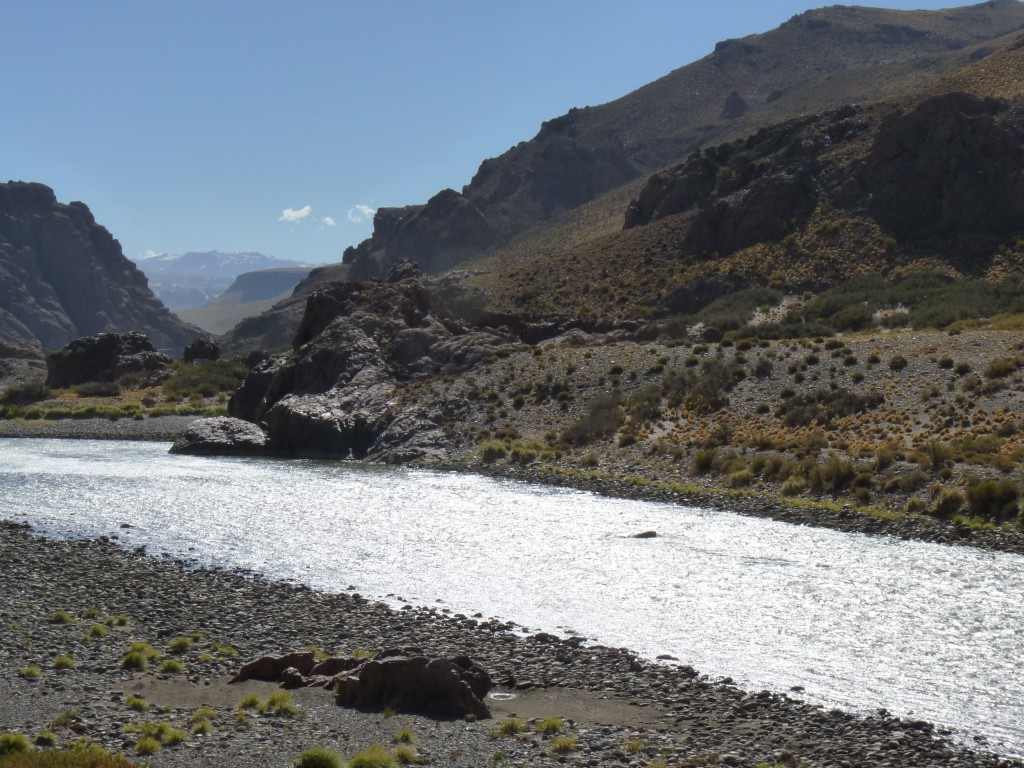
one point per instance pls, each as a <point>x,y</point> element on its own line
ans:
<point>203,348</point>
<point>105,357</point>
<point>449,688</point>
<point>270,668</point>
<point>222,436</point>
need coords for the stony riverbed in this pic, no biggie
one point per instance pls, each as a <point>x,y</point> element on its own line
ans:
<point>623,710</point>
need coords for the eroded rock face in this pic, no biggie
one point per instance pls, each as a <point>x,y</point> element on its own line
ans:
<point>63,276</point>
<point>222,436</point>
<point>339,393</point>
<point>954,164</point>
<point>203,348</point>
<point>105,357</point>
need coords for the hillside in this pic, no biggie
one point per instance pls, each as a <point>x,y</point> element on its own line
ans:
<point>251,294</point>
<point>63,276</point>
<point>817,61</point>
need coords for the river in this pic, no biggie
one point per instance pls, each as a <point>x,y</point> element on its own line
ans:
<point>860,622</point>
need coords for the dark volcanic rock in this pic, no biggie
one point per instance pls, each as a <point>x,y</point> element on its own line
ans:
<point>63,276</point>
<point>338,393</point>
<point>953,164</point>
<point>203,348</point>
<point>105,357</point>
<point>222,436</point>
<point>450,688</point>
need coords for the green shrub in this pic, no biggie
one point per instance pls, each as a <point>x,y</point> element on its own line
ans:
<point>46,739</point>
<point>97,389</point>
<point>405,736</point>
<point>61,617</point>
<point>180,645</point>
<point>492,450</point>
<point>550,726</point>
<point>280,703</point>
<point>31,672</point>
<point>604,417</point>
<point>14,743</point>
<point>31,391</point>
<point>995,500</point>
<point>563,744</point>
<point>407,755</point>
<point>172,667</point>
<point>319,757</point>
<point>63,661</point>
<point>147,745</point>
<point>1000,367</point>
<point>510,726</point>
<point>136,703</point>
<point>205,377</point>
<point>374,756</point>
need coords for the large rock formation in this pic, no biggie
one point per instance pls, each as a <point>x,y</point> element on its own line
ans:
<point>105,357</point>
<point>63,276</point>
<point>950,166</point>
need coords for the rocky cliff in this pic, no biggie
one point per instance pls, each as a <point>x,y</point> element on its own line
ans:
<point>63,276</point>
<point>950,168</point>
<point>816,61</point>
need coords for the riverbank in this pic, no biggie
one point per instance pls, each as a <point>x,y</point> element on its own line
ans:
<point>634,481</point>
<point>624,710</point>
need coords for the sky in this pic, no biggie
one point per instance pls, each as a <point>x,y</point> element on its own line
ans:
<point>280,127</point>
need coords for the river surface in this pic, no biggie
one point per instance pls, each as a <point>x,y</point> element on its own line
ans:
<point>860,622</point>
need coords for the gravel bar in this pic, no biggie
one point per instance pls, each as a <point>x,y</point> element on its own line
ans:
<point>622,710</point>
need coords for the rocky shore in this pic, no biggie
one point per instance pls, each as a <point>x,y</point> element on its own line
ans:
<point>621,710</point>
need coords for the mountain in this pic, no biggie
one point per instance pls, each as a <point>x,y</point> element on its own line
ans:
<point>192,279</point>
<point>816,61</point>
<point>63,276</point>
<point>250,294</point>
<point>540,228</point>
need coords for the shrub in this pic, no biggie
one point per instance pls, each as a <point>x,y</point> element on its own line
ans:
<point>563,744</point>
<point>206,377</point>
<point>508,727</point>
<point>1000,367</point>
<point>249,701</point>
<point>136,703</point>
<point>280,703</point>
<point>897,363</point>
<point>98,630</point>
<point>14,743</point>
<point>704,391</point>
<point>407,755</point>
<point>318,757</point>
<point>604,416</point>
<point>948,504</point>
<point>374,756</point>
<point>63,661</point>
<point>30,392</point>
<point>405,736</point>
<point>172,667</point>
<point>97,389</point>
<point>180,645</point>
<point>994,500</point>
<point>147,745</point>
<point>61,617</point>
<point>46,739</point>
<point>31,672</point>
<point>550,726</point>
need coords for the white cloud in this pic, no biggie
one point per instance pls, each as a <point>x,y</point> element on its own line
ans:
<point>290,215</point>
<point>327,221</point>
<point>359,213</point>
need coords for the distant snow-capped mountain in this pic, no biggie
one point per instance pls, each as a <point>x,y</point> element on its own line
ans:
<point>188,280</point>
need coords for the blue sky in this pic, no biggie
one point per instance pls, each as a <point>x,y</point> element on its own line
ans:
<point>277,127</point>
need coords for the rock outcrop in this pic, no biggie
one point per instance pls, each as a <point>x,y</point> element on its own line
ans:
<point>105,357</point>
<point>339,392</point>
<point>403,679</point>
<point>63,276</point>
<point>951,166</point>
<point>222,436</point>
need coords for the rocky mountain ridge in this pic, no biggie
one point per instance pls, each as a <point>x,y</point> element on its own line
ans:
<point>818,60</point>
<point>63,276</point>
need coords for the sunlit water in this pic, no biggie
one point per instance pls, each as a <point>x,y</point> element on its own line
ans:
<point>861,622</point>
